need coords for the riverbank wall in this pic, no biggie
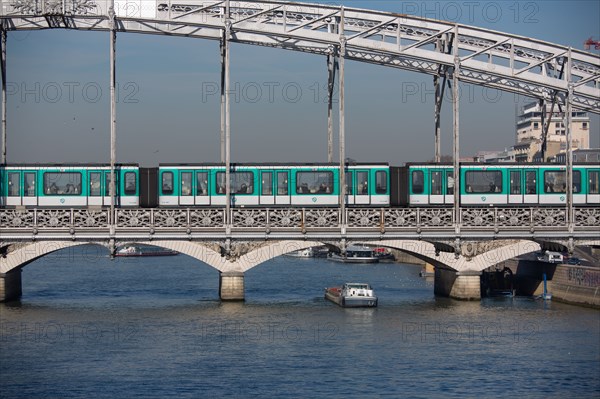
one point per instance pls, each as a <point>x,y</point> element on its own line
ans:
<point>574,284</point>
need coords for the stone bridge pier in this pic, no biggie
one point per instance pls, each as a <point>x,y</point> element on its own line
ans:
<point>458,264</point>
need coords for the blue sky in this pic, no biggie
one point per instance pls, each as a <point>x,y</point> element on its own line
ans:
<point>168,111</point>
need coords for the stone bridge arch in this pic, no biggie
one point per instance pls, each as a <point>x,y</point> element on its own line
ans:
<point>243,256</point>
<point>19,255</point>
<point>474,256</point>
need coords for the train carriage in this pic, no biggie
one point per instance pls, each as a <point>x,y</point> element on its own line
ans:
<point>493,184</point>
<point>272,185</point>
<point>62,185</point>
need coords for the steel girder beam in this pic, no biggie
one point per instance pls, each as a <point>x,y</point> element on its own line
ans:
<point>492,59</point>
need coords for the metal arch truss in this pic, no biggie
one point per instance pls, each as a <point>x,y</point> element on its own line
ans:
<point>491,59</point>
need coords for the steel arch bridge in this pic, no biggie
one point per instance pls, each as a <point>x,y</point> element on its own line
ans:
<point>503,61</point>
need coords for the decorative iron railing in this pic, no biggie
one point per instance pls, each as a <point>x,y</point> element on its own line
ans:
<point>300,219</point>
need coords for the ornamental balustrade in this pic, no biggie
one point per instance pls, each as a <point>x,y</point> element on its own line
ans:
<point>297,219</point>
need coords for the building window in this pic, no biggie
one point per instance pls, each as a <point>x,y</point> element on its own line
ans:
<point>584,125</point>
<point>536,125</point>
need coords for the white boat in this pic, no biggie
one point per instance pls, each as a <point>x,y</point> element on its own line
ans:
<point>301,253</point>
<point>134,250</point>
<point>352,295</point>
<point>355,254</point>
<point>312,252</point>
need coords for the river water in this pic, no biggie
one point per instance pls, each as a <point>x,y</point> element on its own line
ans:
<point>91,327</point>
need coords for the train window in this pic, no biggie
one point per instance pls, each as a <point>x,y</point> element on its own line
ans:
<point>267,183</point>
<point>576,181</point>
<point>14,184</point>
<point>62,183</point>
<point>282,183</point>
<point>362,181</point>
<point>186,184</point>
<point>555,181</point>
<point>349,187</point>
<point>241,182</point>
<point>417,182</point>
<point>201,183</point>
<point>515,182</point>
<point>530,182</point>
<point>107,184</point>
<point>483,181</point>
<point>167,183</point>
<point>29,185</point>
<point>449,182</point>
<point>436,183</point>
<point>381,182</point>
<point>95,184</point>
<point>594,187</point>
<point>130,183</point>
<point>314,182</point>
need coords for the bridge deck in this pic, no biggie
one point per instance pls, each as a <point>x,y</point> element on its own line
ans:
<point>278,223</point>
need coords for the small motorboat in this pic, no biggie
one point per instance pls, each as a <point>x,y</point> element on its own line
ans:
<point>355,254</point>
<point>136,250</point>
<point>384,254</point>
<point>352,295</point>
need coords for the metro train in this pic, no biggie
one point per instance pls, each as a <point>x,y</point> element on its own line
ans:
<point>296,184</point>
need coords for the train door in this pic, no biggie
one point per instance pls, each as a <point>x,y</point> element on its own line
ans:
<point>515,187</point>
<point>593,189</point>
<point>267,196</point>
<point>282,196</point>
<point>350,187</point>
<point>362,194</point>
<point>106,200</point>
<point>186,195</point>
<point>202,185</point>
<point>30,194</point>
<point>436,188</point>
<point>13,195</point>
<point>449,183</point>
<point>95,188</point>
<point>531,195</point>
